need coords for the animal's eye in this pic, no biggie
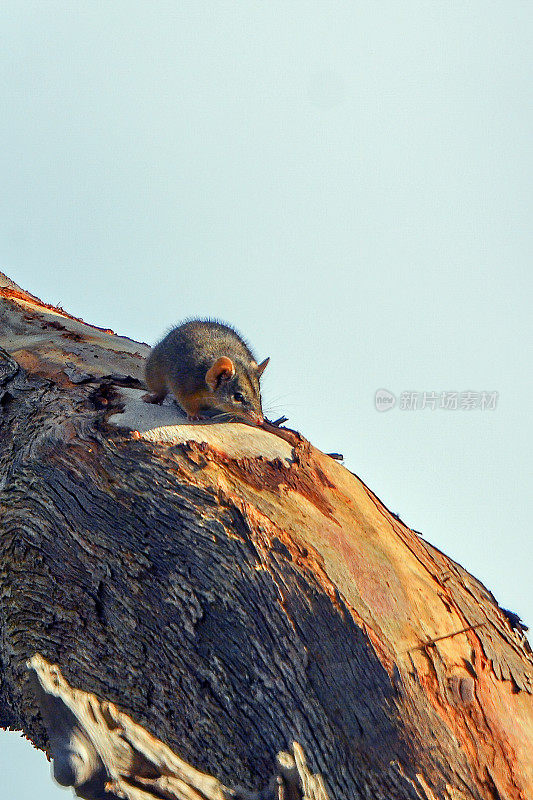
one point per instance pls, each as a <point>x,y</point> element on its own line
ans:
<point>238,397</point>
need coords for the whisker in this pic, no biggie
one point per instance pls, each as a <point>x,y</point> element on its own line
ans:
<point>282,407</point>
<point>222,415</point>
<point>279,397</point>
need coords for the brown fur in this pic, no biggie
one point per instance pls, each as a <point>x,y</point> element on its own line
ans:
<point>185,363</point>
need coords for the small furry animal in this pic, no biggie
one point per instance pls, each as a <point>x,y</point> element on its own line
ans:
<point>210,370</point>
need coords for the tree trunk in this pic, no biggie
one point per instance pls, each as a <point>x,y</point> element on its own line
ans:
<point>232,590</point>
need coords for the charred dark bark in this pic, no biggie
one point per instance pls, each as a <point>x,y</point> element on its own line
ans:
<point>233,592</point>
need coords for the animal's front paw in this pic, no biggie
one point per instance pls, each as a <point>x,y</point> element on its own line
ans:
<point>152,397</point>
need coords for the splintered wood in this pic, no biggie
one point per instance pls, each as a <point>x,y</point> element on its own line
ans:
<point>102,752</point>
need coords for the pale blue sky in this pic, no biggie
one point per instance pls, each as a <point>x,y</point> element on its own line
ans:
<point>348,183</point>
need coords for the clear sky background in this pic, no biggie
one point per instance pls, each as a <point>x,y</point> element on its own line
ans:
<point>348,183</point>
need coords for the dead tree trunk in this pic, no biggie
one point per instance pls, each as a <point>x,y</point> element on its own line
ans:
<point>232,591</point>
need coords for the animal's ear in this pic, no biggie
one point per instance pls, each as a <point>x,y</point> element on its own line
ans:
<point>262,367</point>
<point>222,370</point>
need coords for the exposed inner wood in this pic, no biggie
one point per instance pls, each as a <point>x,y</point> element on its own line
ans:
<point>234,591</point>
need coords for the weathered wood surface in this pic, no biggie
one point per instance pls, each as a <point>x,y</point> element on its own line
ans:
<point>105,754</point>
<point>233,591</point>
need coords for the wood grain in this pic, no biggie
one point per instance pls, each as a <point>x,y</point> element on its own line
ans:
<point>234,592</point>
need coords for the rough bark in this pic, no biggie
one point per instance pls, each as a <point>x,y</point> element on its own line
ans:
<point>106,755</point>
<point>233,590</point>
